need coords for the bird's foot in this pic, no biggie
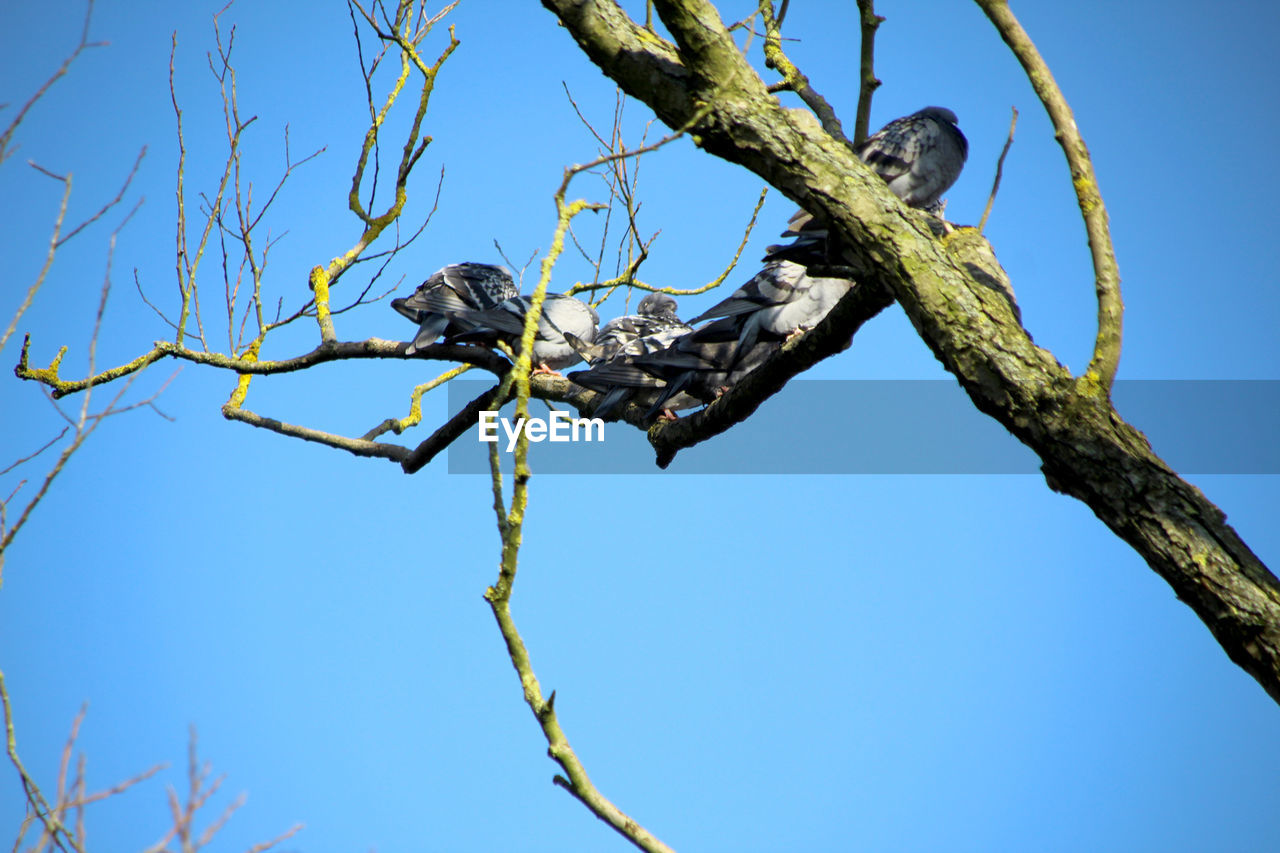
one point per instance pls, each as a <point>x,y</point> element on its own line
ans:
<point>797,333</point>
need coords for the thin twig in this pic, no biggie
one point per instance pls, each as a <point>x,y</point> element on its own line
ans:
<point>53,826</point>
<point>28,458</point>
<point>510,527</point>
<point>110,204</point>
<point>399,425</point>
<point>44,270</point>
<point>676,291</point>
<point>995,185</point>
<point>868,82</point>
<point>5,150</point>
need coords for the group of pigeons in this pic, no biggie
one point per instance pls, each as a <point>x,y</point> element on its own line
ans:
<point>653,358</point>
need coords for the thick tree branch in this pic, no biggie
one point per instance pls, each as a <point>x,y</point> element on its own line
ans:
<point>1106,349</point>
<point>1087,450</point>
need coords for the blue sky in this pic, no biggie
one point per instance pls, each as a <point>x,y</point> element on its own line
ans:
<point>749,662</point>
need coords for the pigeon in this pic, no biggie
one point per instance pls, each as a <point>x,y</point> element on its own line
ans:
<point>653,327</point>
<point>808,247</point>
<point>744,331</point>
<point>778,301</point>
<point>684,375</point>
<point>561,315</point>
<point>456,287</point>
<point>919,156</point>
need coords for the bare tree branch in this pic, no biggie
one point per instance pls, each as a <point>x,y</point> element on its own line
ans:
<point>1106,349</point>
<point>995,185</point>
<point>354,446</point>
<point>510,527</point>
<point>796,81</point>
<point>7,135</point>
<point>869,23</point>
<point>452,430</point>
<point>249,365</point>
<point>199,791</point>
<point>51,822</point>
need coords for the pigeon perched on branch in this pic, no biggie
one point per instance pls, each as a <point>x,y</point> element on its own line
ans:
<point>778,301</point>
<point>686,374</point>
<point>505,322</point>
<point>653,327</point>
<point>698,366</point>
<point>919,156</point>
<point>457,287</point>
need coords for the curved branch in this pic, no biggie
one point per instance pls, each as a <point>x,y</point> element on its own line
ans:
<point>628,281</point>
<point>1106,349</point>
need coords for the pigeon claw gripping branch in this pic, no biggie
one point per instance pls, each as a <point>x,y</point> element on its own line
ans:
<point>560,426</point>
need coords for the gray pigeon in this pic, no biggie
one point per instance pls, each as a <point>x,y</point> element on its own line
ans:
<point>745,330</point>
<point>457,287</point>
<point>653,327</point>
<point>779,300</point>
<point>808,246</point>
<point>919,156</point>
<point>505,322</point>
<point>684,375</point>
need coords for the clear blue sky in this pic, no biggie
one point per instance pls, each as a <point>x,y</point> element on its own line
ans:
<point>753,662</point>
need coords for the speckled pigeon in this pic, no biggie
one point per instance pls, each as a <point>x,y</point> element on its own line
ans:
<point>505,322</point>
<point>919,156</point>
<point>457,287</point>
<point>653,327</point>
